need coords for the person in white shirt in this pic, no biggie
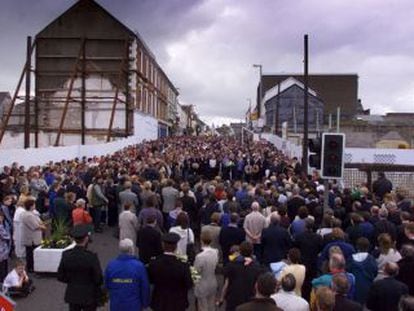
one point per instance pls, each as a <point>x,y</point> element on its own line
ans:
<point>128,224</point>
<point>19,248</point>
<point>387,253</point>
<point>17,283</point>
<point>295,268</point>
<point>286,298</point>
<point>206,263</point>
<point>184,231</point>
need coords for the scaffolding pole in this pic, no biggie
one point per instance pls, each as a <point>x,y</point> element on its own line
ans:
<point>111,120</point>
<point>72,80</point>
<point>27,97</point>
<point>83,94</point>
<point>9,112</point>
<point>127,114</point>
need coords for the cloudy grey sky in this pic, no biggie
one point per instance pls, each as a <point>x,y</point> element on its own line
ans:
<point>207,47</point>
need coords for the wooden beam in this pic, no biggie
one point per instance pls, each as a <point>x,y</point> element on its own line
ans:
<point>117,86</point>
<point>72,80</point>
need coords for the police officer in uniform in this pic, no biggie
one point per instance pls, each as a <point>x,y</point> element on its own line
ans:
<point>81,271</point>
<point>171,278</point>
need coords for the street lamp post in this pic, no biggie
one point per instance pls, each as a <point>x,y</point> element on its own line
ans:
<point>259,108</point>
<point>249,124</point>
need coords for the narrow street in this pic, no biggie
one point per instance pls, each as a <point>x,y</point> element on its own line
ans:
<point>49,293</point>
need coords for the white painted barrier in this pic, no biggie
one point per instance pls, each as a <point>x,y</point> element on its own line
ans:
<point>379,156</point>
<point>287,147</point>
<point>352,155</point>
<point>145,128</point>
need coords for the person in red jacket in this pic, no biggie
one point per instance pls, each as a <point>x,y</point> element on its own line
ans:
<point>80,215</point>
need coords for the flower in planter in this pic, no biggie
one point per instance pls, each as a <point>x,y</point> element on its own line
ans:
<point>60,237</point>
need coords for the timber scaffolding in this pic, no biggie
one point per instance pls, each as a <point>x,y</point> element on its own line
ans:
<point>44,98</point>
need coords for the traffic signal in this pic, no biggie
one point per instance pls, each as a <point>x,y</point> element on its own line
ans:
<point>314,145</point>
<point>333,146</point>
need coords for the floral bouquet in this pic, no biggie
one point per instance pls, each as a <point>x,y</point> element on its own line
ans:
<point>195,275</point>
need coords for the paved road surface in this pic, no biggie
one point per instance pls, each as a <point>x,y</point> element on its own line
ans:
<point>49,293</point>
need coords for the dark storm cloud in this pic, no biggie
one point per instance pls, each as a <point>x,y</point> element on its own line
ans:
<point>208,47</point>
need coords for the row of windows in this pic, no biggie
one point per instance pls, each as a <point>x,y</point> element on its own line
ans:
<point>150,70</point>
<point>151,95</point>
<point>149,102</point>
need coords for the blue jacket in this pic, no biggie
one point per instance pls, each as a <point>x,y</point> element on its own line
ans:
<point>127,281</point>
<point>347,250</point>
<point>326,280</point>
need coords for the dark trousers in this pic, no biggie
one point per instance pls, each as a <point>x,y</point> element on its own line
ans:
<point>257,250</point>
<point>24,290</point>
<point>73,307</point>
<point>166,224</point>
<point>96,212</point>
<point>3,269</point>
<point>29,257</point>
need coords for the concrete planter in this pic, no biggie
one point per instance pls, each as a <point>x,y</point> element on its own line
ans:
<point>48,259</point>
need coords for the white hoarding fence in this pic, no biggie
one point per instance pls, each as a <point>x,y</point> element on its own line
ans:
<point>351,155</point>
<point>145,128</point>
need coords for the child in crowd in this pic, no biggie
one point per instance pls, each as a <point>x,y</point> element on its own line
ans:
<point>17,283</point>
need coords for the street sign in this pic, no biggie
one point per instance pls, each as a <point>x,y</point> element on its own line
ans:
<point>6,304</point>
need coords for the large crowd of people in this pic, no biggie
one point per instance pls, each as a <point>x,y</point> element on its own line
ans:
<point>242,227</point>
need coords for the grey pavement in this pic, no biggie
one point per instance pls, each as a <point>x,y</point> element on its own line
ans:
<point>49,293</point>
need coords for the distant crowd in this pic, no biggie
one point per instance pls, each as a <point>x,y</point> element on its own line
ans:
<point>242,227</point>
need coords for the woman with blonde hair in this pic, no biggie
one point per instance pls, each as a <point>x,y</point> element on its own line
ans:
<point>146,193</point>
<point>385,253</point>
<point>24,195</point>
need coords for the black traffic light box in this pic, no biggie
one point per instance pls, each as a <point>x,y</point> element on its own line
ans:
<point>314,145</point>
<point>333,147</point>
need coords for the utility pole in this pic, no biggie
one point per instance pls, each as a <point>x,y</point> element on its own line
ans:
<point>277,110</point>
<point>305,110</point>
<point>249,124</point>
<point>338,119</point>
<point>259,108</point>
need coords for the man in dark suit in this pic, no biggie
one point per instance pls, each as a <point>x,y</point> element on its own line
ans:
<point>406,265</point>
<point>294,203</point>
<point>310,244</point>
<point>385,294</point>
<point>240,276</point>
<point>171,278</point>
<point>149,241</point>
<point>230,235</point>
<point>275,241</point>
<point>383,225</point>
<point>81,271</point>
<point>381,186</point>
<point>265,286</point>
